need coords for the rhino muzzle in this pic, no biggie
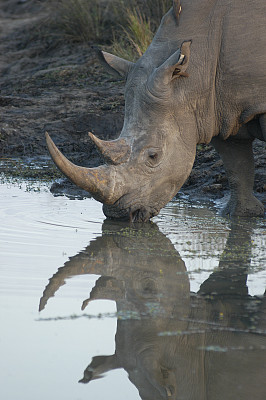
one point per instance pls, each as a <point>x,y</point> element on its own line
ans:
<point>135,213</point>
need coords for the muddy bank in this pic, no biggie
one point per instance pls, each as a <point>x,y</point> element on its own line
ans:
<point>48,84</point>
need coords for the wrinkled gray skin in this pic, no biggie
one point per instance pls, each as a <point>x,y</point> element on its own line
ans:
<point>201,80</point>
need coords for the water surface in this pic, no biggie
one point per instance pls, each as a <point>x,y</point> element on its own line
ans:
<point>174,309</point>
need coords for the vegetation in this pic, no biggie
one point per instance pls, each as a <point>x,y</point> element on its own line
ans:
<point>80,20</point>
<point>137,34</point>
<point>127,26</point>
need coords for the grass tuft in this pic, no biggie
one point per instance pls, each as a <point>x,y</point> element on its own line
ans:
<point>82,20</point>
<point>138,30</point>
<point>127,25</point>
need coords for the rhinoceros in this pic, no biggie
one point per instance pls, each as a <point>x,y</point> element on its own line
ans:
<point>201,80</point>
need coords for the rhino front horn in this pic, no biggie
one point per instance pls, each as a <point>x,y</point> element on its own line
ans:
<point>99,182</point>
<point>115,151</point>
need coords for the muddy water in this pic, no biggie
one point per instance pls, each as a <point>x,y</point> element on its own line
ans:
<point>92,309</point>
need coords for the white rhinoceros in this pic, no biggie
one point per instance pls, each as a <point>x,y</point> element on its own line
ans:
<point>201,80</point>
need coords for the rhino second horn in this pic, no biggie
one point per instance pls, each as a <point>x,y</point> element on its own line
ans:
<point>115,151</point>
<point>99,181</point>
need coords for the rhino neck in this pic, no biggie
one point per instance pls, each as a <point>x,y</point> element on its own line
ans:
<point>204,61</point>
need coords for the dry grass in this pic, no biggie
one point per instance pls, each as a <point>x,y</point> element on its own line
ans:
<point>82,20</point>
<point>151,9</point>
<point>136,35</point>
<point>127,25</point>
<point>138,30</point>
<point>139,21</point>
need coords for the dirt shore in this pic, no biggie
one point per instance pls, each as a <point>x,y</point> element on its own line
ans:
<point>48,84</point>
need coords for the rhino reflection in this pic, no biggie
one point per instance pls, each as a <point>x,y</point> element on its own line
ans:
<point>174,344</point>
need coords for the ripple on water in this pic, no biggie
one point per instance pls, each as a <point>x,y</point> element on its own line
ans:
<point>200,236</point>
<point>51,250</point>
<point>37,224</point>
<point>36,227</point>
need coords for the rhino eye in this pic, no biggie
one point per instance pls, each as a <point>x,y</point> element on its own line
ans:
<point>153,155</point>
<point>153,158</point>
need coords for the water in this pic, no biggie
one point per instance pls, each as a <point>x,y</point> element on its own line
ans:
<point>169,310</point>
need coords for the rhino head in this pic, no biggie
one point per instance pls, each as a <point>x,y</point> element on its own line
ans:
<point>147,165</point>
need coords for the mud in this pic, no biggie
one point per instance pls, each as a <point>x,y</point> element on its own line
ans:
<point>48,84</point>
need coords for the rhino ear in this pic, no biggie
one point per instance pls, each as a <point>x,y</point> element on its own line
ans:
<point>115,65</point>
<point>174,67</point>
<point>179,68</point>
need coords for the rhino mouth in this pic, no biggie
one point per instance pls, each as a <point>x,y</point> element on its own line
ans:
<point>133,213</point>
<point>142,214</point>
